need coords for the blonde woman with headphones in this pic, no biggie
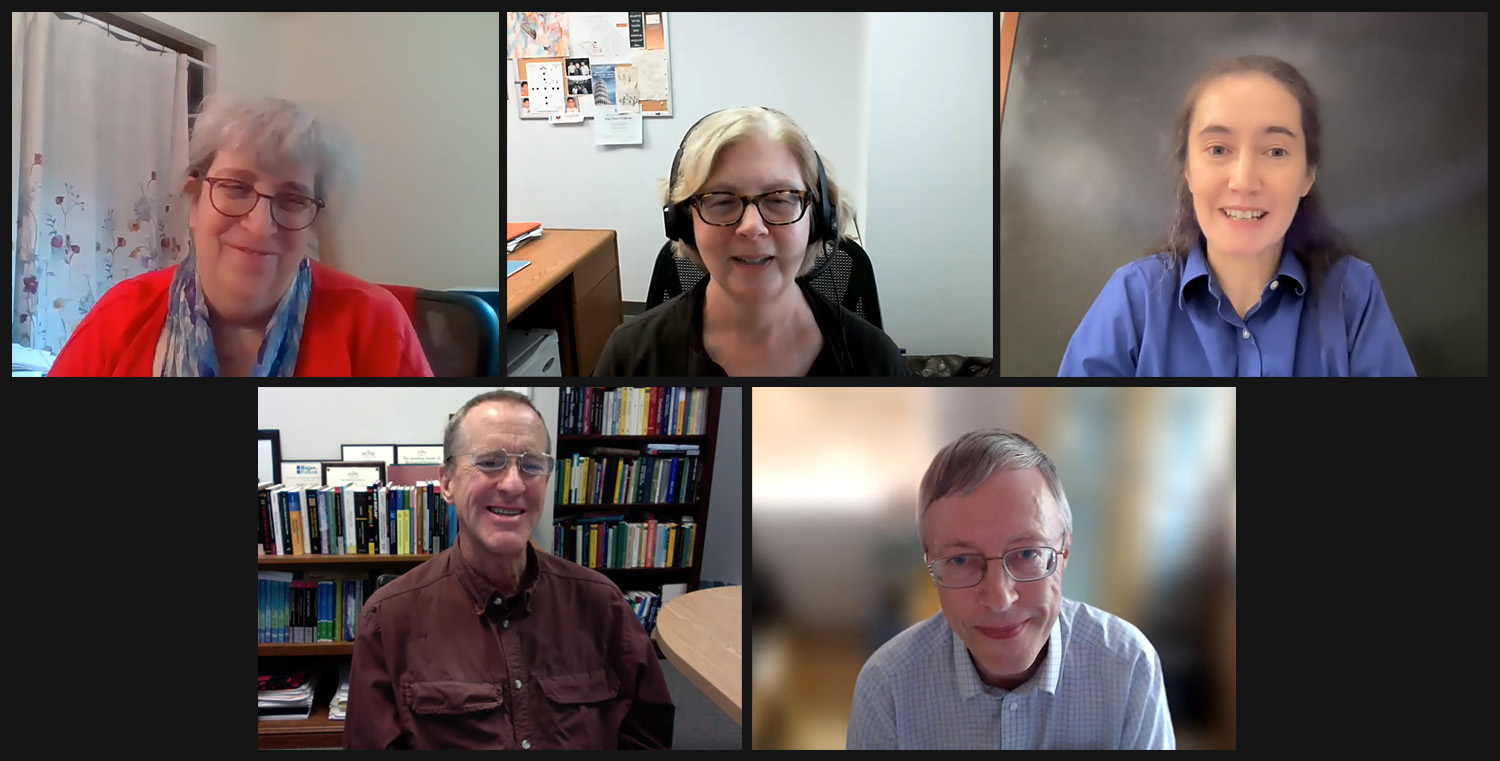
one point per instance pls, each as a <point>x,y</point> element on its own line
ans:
<point>750,202</point>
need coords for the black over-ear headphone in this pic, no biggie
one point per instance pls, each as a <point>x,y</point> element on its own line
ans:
<point>679,216</point>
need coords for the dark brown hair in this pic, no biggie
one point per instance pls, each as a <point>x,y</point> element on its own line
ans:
<point>1312,237</point>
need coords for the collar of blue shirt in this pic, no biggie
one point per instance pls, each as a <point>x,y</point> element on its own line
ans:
<point>1197,266</point>
<point>1045,678</point>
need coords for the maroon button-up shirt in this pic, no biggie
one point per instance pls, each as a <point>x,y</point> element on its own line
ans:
<point>441,660</point>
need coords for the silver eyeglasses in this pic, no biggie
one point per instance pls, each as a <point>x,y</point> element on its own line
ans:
<point>531,464</point>
<point>967,570</point>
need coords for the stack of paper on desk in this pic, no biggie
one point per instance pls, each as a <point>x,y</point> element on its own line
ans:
<point>517,233</point>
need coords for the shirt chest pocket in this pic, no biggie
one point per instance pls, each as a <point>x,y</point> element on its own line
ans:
<point>454,714</point>
<point>584,707</point>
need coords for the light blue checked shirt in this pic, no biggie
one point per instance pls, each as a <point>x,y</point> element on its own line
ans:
<point>1099,686</point>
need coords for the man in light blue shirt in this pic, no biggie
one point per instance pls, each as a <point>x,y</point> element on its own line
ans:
<point>1008,663</point>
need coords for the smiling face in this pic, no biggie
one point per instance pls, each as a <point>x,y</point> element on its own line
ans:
<point>733,255</point>
<point>489,427</point>
<point>1247,153</point>
<point>1011,509</point>
<point>246,263</point>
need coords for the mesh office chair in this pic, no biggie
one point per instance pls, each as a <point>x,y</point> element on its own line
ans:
<point>849,280</point>
<point>460,332</point>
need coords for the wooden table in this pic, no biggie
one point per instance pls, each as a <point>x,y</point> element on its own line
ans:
<point>700,634</point>
<point>572,286</point>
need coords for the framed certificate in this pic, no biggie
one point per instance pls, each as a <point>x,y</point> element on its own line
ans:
<point>385,453</point>
<point>431,454</point>
<point>302,474</point>
<point>358,473</point>
<point>269,455</point>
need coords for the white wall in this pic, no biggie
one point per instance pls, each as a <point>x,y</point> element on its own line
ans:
<point>839,75</point>
<point>932,178</point>
<point>420,94</point>
<point>315,422</point>
<point>725,530</point>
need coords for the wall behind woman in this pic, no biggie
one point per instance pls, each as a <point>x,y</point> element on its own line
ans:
<point>420,95</point>
<point>899,104</point>
<point>1085,183</point>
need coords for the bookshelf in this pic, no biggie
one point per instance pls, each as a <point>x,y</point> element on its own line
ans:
<point>318,731</point>
<point>571,443</point>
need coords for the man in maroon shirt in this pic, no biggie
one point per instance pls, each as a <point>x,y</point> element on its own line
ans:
<point>492,644</point>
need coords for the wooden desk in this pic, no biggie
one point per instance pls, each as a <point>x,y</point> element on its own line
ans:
<point>572,286</point>
<point>700,634</point>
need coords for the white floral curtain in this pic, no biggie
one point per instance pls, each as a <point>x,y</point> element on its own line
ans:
<point>99,140</point>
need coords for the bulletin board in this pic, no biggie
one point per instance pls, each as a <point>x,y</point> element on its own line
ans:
<point>572,66</point>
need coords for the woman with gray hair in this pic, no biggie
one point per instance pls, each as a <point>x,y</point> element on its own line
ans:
<point>248,300</point>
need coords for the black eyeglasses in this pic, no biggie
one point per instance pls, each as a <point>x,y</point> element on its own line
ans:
<point>778,207</point>
<point>233,198</point>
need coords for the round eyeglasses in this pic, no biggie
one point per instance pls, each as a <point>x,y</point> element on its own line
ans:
<point>967,570</point>
<point>531,464</point>
<point>233,198</point>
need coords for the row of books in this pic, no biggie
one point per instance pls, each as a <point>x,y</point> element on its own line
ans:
<point>645,605</point>
<point>321,606</point>
<point>355,520</point>
<point>662,474</point>
<point>655,411</point>
<point>612,542</point>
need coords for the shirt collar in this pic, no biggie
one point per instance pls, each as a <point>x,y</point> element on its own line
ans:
<point>483,593</point>
<point>1045,679</point>
<point>1196,267</point>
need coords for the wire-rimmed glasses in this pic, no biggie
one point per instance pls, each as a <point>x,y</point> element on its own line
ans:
<point>494,462</point>
<point>968,569</point>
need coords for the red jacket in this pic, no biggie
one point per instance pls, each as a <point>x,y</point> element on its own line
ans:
<point>352,328</point>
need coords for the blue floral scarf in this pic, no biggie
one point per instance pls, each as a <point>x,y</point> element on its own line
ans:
<point>188,339</point>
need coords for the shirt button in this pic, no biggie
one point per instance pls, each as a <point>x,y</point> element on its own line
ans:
<point>505,624</point>
<point>518,684</point>
<point>1273,285</point>
<point>1012,706</point>
<point>499,600</point>
<point>526,744</point>
<point>1247,333</point>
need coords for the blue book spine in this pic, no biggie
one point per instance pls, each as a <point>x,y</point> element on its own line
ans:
<point>260,599</point>
<point>325,601</point>
<point>452,523</point>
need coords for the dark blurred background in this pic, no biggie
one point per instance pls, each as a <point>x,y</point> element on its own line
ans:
<point>837,567</point>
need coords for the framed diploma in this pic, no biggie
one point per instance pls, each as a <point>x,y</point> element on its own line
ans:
<point>302,474</point>
<point>385,453</point>
<point>431,454</point>
<point>269,456</point>
<point>346,472</point>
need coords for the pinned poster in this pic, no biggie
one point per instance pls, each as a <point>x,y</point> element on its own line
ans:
<point>626,97</point>
<point>612,128</point>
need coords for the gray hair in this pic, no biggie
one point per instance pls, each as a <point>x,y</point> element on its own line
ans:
<point>498,396</point>
<point>965,464</point>
<point>276,132</point>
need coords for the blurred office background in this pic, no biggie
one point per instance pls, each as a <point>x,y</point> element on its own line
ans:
<point>837,568</point>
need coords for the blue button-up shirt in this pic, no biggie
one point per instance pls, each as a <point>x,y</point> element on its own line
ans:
<point>1099,686</point>
<point>1155,320</point>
